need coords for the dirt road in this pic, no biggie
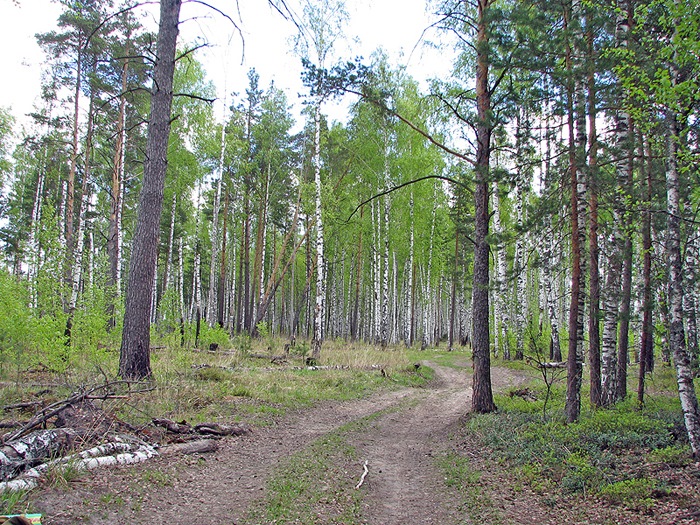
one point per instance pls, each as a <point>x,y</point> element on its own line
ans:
<point>403,485</point>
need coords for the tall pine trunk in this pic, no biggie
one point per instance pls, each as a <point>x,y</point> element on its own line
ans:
<point>482,398</point>
<point>135,359</point>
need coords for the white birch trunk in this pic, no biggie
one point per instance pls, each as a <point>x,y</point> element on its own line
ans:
<point>684,372</point>
<point>500,312</point>
<point>384,323</point>
<point>410,300</point>
<point>320,261</point>
<point>427,290</point>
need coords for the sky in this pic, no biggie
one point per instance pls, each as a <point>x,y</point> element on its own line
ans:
<point>264,42</point>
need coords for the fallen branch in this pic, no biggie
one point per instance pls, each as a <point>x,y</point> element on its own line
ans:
<point>364,475</point>
<point>20,406</point>
<point>172,426</point>
<point>54,408</point>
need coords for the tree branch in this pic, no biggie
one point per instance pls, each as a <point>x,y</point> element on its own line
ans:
<point>403,185</point>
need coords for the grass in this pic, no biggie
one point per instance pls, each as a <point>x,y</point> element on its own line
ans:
<point>317,484</point>
<point>13,502</point>
<point>230,385</point>
<point>460,476</point>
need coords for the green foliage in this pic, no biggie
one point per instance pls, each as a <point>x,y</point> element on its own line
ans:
<point>215,335</point>
<point>674,456</point>
<point>579,457</point>
<point>633,493</point>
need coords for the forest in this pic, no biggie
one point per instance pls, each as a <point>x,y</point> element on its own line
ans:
<point>539,206</point>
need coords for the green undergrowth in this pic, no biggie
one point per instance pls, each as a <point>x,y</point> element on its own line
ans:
<point>317,484</point>
<point>606,453</point>
<point>231,384</point>
<point>14,502</point>
<point>464,479</point>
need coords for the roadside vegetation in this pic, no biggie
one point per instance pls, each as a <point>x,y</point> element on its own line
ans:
<point>631,464</point>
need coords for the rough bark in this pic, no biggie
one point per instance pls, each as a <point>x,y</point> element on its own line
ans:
<point>482,398</point>
<point>575,356</point>
<point>134,359</point>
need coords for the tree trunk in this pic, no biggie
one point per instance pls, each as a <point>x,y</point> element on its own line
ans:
<point>482,397</point>
<point>453,295</point>
<point>114,235</point>
<point>575,357</point>
<point>221,291</point>
<point>500,312</point>
<point>684,373</point>
<point>70,182</point>
<point>319,307</point>
<point>134,359</point>
<point>627,185</point>
<point>647,339</point>
<point>594,271</point>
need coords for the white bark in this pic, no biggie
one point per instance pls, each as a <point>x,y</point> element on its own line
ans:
<point>500,311</point>
<point>684,372</point>
<point>427,287</point>
<point>320,260</point>
<point>215,241</point>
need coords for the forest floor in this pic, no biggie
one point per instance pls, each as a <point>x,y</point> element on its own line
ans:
<point>305,468</point>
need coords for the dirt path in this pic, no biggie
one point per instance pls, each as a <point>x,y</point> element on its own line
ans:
<point>402,485</point>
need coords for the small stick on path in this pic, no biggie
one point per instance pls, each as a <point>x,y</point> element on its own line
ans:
<point>364,475</point>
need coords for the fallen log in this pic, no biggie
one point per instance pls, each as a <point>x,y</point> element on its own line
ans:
<point>17,455</point>
<point>272,358</point>
<point>212,429</point>
<point>218,429</point>
<point>191,447</point>
<point>86,460</point>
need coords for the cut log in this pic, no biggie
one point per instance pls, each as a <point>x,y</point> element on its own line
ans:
<point>87,460</point>
<point>192,447</point>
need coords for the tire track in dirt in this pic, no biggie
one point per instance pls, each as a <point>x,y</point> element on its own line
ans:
<point>402,485</point>
<point>212,489</point>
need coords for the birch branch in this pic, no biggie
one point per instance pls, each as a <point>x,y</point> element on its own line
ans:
<point>364,475</point>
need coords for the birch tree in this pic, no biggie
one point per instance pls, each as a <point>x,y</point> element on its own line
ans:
<point>321,28</point>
